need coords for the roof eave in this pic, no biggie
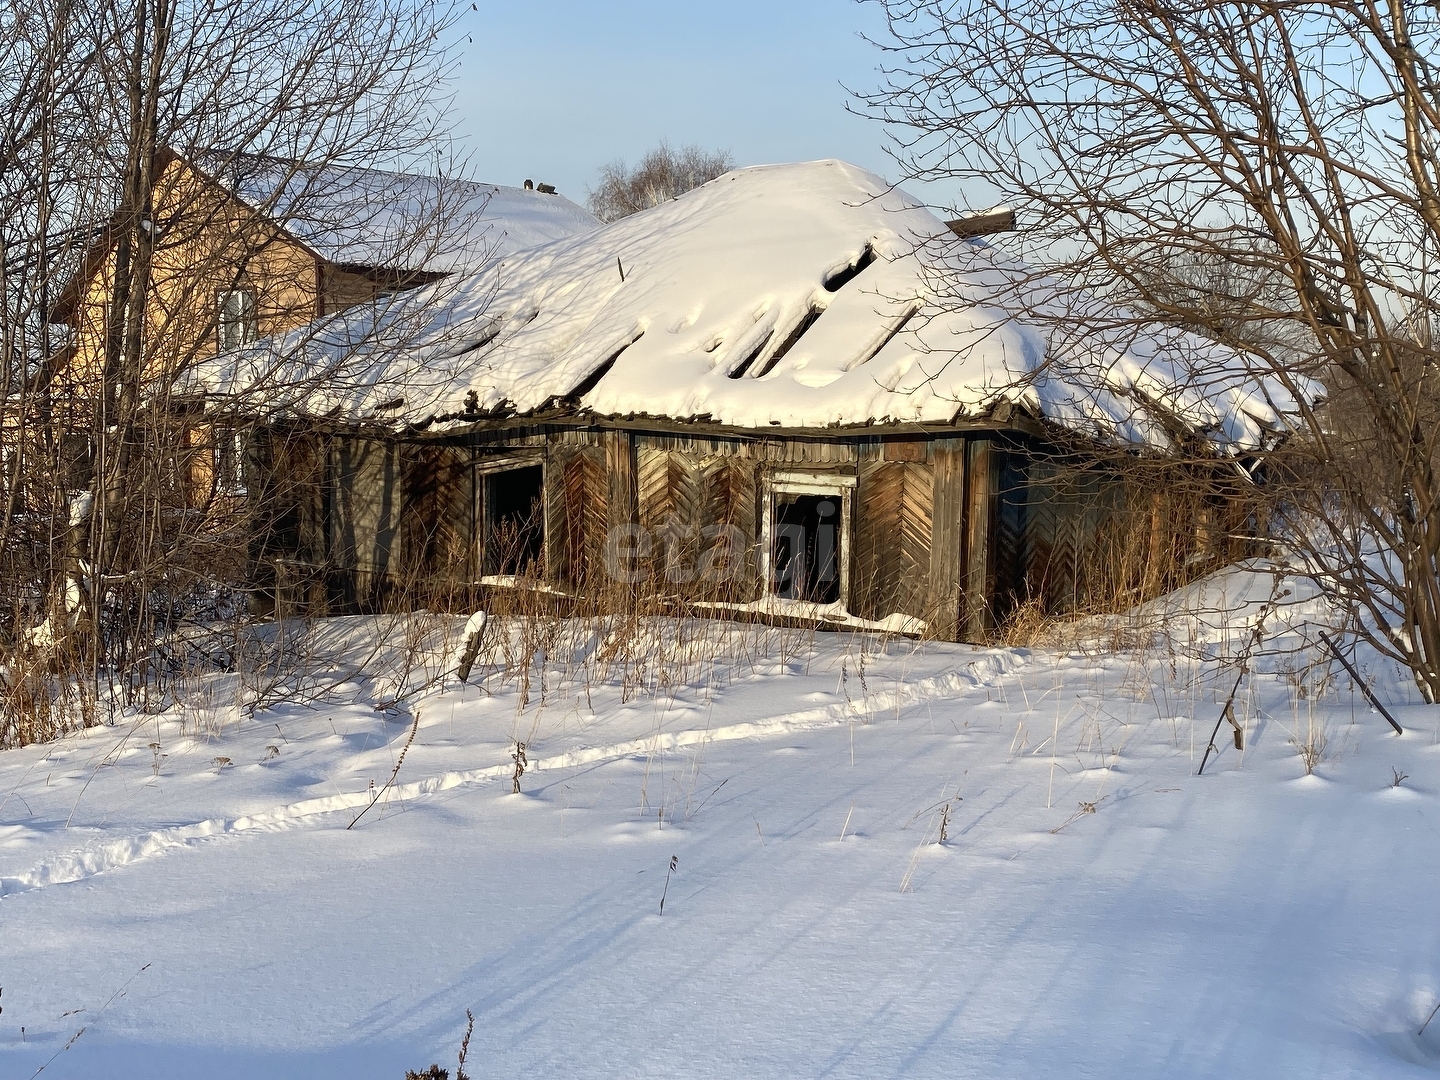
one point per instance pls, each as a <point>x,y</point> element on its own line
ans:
<point>459,424</point>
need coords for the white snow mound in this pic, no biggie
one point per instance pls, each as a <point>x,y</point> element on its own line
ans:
<point>401,221</point>
<point>804,296</point>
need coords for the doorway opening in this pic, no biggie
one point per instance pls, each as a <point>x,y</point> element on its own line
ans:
<point>514,516</point>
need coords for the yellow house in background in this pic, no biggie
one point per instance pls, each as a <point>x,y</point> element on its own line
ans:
<point>249,246</point>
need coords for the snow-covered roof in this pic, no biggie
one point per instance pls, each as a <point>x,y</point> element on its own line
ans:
<point>399,221</point>
<point>804,296</point>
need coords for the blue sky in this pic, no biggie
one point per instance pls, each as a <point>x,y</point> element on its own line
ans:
<point>553,90</point>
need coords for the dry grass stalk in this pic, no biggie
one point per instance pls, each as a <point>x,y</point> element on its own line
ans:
<point>517,755</point>
<point>415,727</point>
<point>1311,746</point>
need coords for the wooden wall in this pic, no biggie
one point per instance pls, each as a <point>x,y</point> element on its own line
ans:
<point>376,517</point>
<point>1068,535</point>
<point>909,535</point>
<point>954,530</point>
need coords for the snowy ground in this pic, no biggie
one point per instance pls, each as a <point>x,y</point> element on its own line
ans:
<point>203,917</point>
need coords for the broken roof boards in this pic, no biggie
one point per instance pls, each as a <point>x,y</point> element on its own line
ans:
<point>812,295</point>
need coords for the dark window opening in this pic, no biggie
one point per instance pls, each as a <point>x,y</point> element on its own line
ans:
<point>805,548</point>
<point>806,321</point>
<point>838,279</point>
<point>515,521</point>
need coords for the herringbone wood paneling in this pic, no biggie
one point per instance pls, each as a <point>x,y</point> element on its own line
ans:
<point>1061,536</point>
<point>670,487</point>
<point>1008,559</point>
<point>894,526</point>
<point>587,485</point>
<point>436,528</point>
<point>671,492</point>
<point>730,499</point>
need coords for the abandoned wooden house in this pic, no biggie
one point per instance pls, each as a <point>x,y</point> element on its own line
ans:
<point>793,392</point>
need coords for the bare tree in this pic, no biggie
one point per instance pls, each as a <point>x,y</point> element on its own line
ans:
<point>1290,151</point>
<point>106,517</point>
<point>660,176</point>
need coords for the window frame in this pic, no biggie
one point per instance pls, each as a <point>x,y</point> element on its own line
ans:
<point>803,482</point>
<point>486,468</point>
<point>248,320</point>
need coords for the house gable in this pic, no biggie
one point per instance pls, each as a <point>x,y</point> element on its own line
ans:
<point>207,245</point>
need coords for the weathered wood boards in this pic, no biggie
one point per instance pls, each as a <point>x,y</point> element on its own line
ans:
<point>955,529</point>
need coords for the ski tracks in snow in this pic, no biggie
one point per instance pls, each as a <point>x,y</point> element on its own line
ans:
<point>113,854</point>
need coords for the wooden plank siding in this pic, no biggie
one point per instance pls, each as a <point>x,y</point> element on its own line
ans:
<point>389,517</point>
<point>286,520</point>
<point>979,517</point>
<point>620,466</point>
<point>947,545</point>
<point>367,497</point>
<point>732,502</point>
<point>895,503</point>
<point>586,489</point>
<point>956,529</point>
<point>436,546</point>
<point>1056,526</point>
<point>671,490</point>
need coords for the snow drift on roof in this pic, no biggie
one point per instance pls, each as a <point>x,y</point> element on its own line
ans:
<point>401,221</point>
<point>804,296</point>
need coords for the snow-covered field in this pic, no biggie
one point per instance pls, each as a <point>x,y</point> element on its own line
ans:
<point>184,888</point>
